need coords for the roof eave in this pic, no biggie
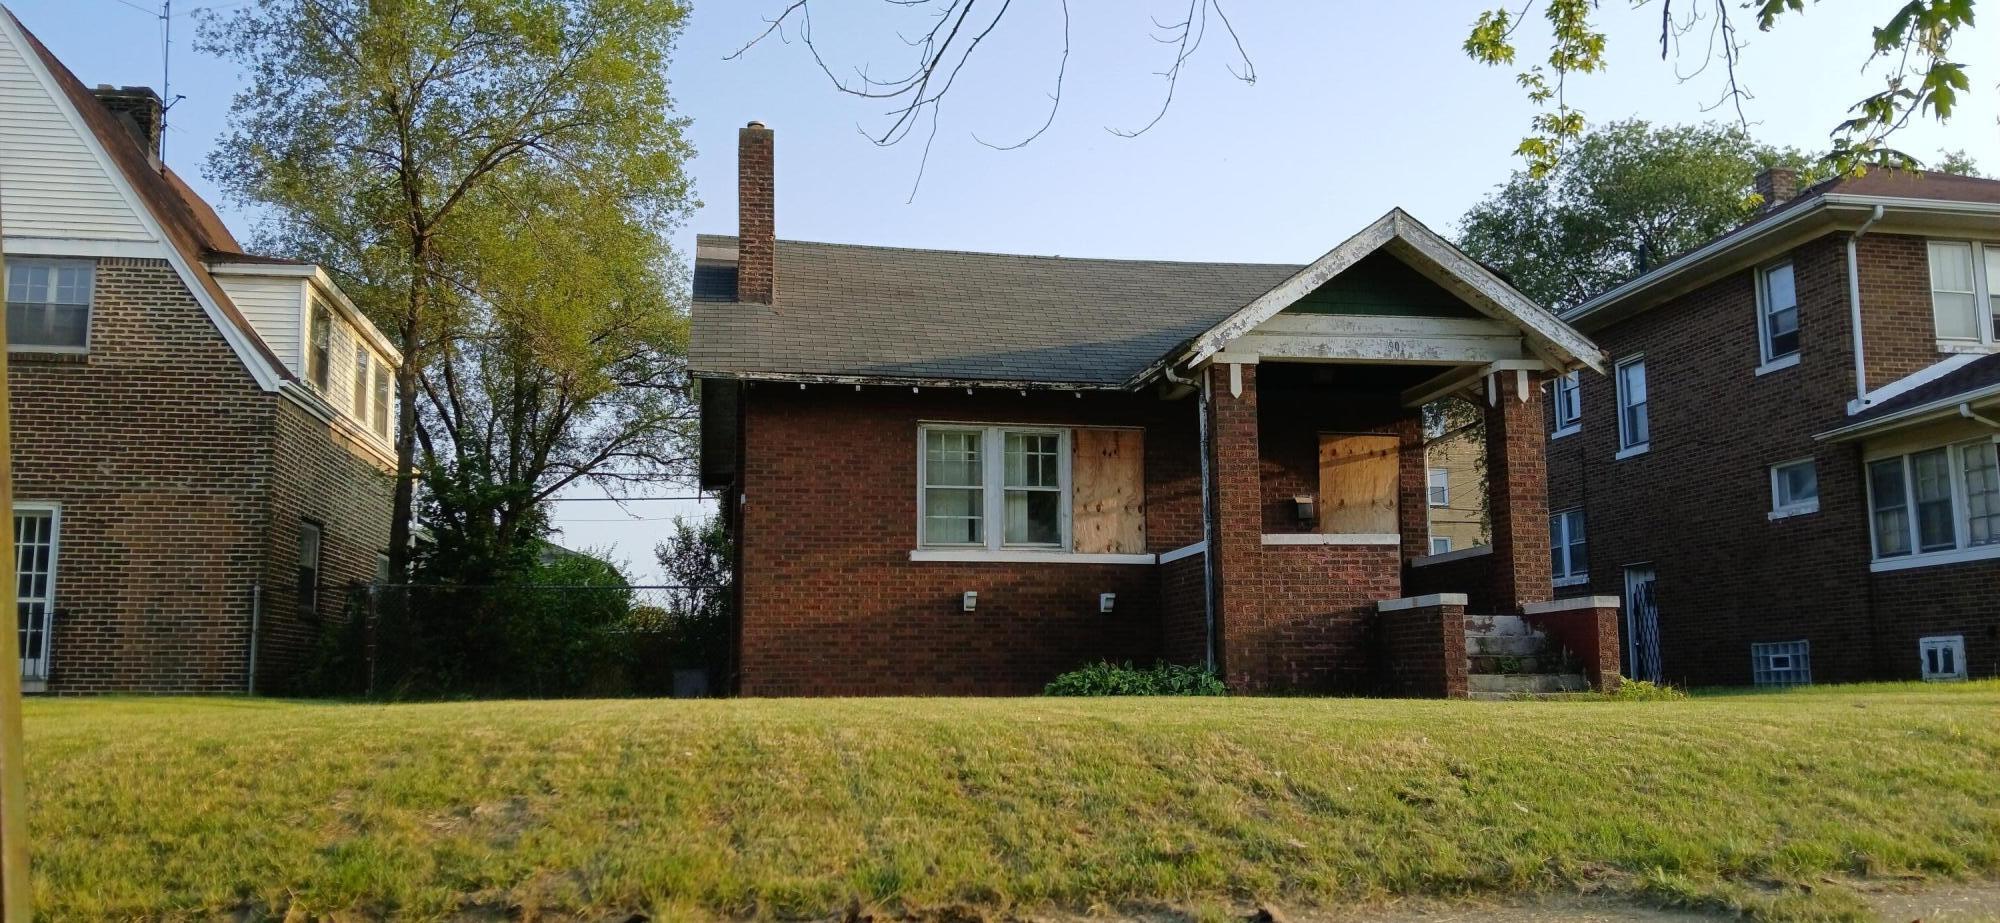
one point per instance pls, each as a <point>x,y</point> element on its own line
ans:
<point>1922,413</point>
<point>914,381</point>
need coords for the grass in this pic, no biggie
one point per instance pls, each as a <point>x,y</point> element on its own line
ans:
<point>193,808</point>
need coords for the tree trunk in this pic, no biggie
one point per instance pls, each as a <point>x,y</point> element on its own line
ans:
<point>402,512</point>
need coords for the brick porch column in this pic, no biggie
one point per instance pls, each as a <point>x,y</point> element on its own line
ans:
<point>1517,490</point>
<point>1413,495</point>
<point>1239,517</point>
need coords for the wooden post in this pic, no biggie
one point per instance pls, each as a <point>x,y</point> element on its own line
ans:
<point>13,773</point>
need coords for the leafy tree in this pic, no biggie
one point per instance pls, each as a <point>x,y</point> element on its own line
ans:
<point>1956,163</point>
<point>696,559</point>
<point>398,141</point>
<point>1629,196</point>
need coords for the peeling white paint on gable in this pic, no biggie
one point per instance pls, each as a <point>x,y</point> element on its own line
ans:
<point>52,183</point>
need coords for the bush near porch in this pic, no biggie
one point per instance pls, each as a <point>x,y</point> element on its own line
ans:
<point>785,808</point>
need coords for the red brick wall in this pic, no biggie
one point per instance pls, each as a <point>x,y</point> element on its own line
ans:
<point>1308,633</point>
<point>1589,635</point>
<point>319,479</point>
<point>832,604</point>
<point>1423,652</point>
<point>1899,333</point>
<point>160,449</point>
<point>1950,599</point>
<point>1184,611</point>
<point>1695,506</point>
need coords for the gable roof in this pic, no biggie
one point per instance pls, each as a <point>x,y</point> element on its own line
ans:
<point>189,226</point>
<point>889,315</point>
<point>1817,209</point>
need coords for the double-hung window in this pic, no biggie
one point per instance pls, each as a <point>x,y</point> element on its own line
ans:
<point>383,387</point>
<point>319,348</point>
<point>1794,488</point>
<point>1778,312</point>
<point>1935,506</point>
<point>1635,427</point>
<point>48,304</point>
<point>994,487</point>
<point>1964,300</point>
<point>361,363</point>
<point>1569,563</point>
<point>1440,486</point>
<point>1568,394</point>
<point>309,541</point>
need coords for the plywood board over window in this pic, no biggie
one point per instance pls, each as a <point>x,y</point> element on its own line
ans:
<point>1357,484</point>
<point>1108,474</point>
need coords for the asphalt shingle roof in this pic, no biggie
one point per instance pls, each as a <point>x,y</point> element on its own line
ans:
<point>902,314</point>
<point>1976,375</point>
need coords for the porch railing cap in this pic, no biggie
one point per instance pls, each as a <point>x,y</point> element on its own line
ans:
<point>1421,602</point>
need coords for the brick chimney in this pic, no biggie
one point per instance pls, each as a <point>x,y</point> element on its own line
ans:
<point>756,221</point>
<point>140,111</point>
<point>1777,186</point>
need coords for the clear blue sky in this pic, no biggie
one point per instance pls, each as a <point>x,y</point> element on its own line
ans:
<point>1358,107</point>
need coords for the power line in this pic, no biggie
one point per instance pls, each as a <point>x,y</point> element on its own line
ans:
<point>618,499</point>
<point>135,6</point>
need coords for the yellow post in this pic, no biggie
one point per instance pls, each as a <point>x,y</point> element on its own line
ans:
<point>13,773</point>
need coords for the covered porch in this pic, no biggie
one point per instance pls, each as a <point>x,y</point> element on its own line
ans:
<point>1313,403</point>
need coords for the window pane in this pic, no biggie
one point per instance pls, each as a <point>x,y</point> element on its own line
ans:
<point>1798,483</point>
<point>1993,286</point>
<point>952,516</point>
<point>1779,293</point>
<point>1936,528</point>
<point>1034,517</point>
<point>1637,426</point>
<point>952,459</point>
<point>1951,266</point>
<point>382,390</point>
<point>1952,297</point>
<point>1557,548</point>
<point>28,282</point>
<point>1955,315</point>
<point>1568,399</point>
<point>1982,494</point>
<point>1632,383</point>
<point>1892,518</point>
<point>361,383</point>
<point>1783,330</point>
<point>72,284</point>
<point>1031,460</point>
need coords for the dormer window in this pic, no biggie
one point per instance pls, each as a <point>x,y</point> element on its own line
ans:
<point>319,348</point>
<point>48,305</point>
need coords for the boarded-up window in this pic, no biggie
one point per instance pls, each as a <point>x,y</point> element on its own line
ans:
<point>1108,474</point>
<point>1357,484</point>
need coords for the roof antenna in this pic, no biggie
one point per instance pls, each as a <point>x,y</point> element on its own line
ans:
<point>167,97</point>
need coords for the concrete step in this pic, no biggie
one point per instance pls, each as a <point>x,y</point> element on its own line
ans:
<point>1519,696</point>
<point>1509,664</point>
<point>1497,625</point>
<point>1526,683</point>
<point>1504,645</point>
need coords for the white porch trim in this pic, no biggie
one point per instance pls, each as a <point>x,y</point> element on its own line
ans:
<point>1421,602</point>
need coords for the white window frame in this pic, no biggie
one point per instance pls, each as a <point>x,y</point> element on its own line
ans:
<point>1770,360</point>
<point>364,363</point>
<point>1627,446</point>
<point>1766,665</point>
<point>1781,507</point>
<point>48,598</point>
<point>382,398</point>
<point>89,308</point>
<point>319,368</point>
<point>1962,549</point>
<point>1572,421</point>
<point>1440,544</point>
<point>1573,573</point>
<point>993,489</point>
<point>1982,299</point>
<point>1437,483</point>
<point>1953,644</point>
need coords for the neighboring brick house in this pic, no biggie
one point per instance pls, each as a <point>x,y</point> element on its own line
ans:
<point>1797,497</point>
<point>952,472</point>
<point>201,437</point>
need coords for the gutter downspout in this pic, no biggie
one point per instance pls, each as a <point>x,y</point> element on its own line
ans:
<point>1965,410</point>
<point>1854,309</point>
<point>256,623</point>
<point>1207,511</point>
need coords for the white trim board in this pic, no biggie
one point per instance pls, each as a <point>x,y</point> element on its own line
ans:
<point>1186,551</point>
<point>1025,556</point>
<point>1332,538</point>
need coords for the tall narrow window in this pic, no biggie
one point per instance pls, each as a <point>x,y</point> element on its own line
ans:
<point>34,582</point>
<point>309,538</point>
<point>1440,483</point>
<point>1954,291</point>
<point>1891,507</point>
<point>361,382</point>
<point>1635,429</point>
<point>319,348</point>
<point>384,386</point>
<point>1034,488</point>
<point>1779,297</point>
<point>48,304</point>
<point>1930,474</point>
<point>1992,252</point>
<point>954,493</point>
<point>1982,493</point>
<point>1568,402</point>
<point>1569,562</point>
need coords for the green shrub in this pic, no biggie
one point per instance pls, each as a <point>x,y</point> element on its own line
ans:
<point>1638,690</point>
<point>1106,678</point>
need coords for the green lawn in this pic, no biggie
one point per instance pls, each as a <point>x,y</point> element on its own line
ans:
<point>192,808</point>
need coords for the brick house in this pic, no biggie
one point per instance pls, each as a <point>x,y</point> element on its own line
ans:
<point>1790,471</point>
<point>202,437</point>
<point>966,473</point>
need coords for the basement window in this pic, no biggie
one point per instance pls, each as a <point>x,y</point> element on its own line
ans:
<point>1783,663</point>
<point>1943,657</point>
<point>48,305</point>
